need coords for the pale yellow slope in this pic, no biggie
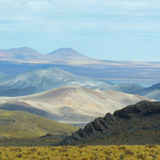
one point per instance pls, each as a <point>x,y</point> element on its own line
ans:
<point>74,100</point>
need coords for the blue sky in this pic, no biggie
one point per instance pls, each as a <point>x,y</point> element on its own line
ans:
<point>104,29</point>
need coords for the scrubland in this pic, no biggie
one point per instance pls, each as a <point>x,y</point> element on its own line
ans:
<point>113,152</point>
<point>18,124</point>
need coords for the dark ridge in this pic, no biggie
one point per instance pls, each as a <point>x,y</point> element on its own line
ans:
<point>141,109</point>
<point>134,124</point>
<point>46,136</point>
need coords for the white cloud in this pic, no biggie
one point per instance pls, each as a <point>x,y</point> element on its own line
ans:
<point>81,7</point>
<point>38,5</point>
<point>89,25</point>
<point>75,17</point>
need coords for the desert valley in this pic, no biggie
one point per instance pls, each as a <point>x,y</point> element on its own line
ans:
<point>52,95</point>
<point>79,80</point>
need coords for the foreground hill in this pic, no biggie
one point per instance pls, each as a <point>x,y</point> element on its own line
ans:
<point>134,124</point>
<point>71,104</point>
<point>37,81</point>
<point>22,124</point>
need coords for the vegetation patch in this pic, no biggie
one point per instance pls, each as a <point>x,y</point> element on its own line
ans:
<point>147,152</point>
<point>18,124</point>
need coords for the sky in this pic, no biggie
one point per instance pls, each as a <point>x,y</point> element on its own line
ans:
<point>104,29</point>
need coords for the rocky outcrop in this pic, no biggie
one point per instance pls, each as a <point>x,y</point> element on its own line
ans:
<point>139,110</point>
<point>138,120</point>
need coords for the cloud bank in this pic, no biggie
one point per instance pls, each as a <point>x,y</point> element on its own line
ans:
<point>81,24</point>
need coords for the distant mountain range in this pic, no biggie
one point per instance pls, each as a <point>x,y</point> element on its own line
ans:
<point>133,125</point>
<point>24,54</point>
<point>27,54</point>
<point>69,55</point>
<point>18,60</point>
<point>71,104</point>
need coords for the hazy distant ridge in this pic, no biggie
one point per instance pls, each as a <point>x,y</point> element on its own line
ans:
<point>68,59</point>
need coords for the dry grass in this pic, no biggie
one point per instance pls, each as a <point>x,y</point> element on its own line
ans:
<point>20,124</point>
<point>124,152</point>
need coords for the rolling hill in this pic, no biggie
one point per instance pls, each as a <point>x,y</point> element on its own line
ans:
<point>73,104</point>
<point>20,124</point>
<point>132,125</point>
<point>151,92</point>
<point>37,81</point>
